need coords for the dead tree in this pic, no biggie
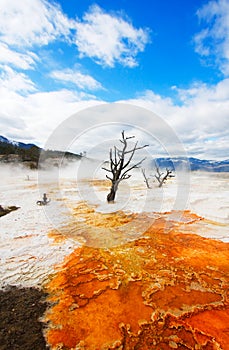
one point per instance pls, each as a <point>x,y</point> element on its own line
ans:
<point>120,164</point>
<point>146,179</point>
<point>161,177</point>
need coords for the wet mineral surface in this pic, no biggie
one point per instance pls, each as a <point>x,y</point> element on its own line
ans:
<point>167,289</point>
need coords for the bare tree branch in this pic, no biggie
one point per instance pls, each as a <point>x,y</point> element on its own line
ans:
<point>118,163</point>
<point>135,149</point>
<point>160,178</point>
<point>107,169</point>
<point>134,166</point>
<point>108,177</point>
<point>146,179</point>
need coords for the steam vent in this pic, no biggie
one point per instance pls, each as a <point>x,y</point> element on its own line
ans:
<point>167,289</point>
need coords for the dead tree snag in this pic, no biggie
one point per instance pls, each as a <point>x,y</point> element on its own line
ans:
<point>146,179</point>
<point>161,177</point>
<point>120,164</point>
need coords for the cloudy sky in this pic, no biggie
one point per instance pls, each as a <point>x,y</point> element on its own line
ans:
<point>170,57</point>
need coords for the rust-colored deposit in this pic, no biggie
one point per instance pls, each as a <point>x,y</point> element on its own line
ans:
<point>160,291</point>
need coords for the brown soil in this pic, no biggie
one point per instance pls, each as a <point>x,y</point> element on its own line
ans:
<point>20,313</point>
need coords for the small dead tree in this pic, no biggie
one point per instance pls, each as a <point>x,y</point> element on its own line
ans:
<point>146,179</point>
<point>161,177</point>
<point>120,164</point>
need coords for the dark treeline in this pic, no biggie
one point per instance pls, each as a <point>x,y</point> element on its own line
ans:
<point>11,153</point>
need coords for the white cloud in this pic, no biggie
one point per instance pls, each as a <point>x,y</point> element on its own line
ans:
<point>38,113</point>
<point>17,59</point>
<point>15,81</point>
<point>82,81</point>
<point>28,23</point>
<point>106,38</point>
<point>213,40</point>
<point>201,91</point>
<point>200,120</point>
<point>25,25</point>
<point>109,39</point>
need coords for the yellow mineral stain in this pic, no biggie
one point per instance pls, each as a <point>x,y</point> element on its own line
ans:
<point>160,291</point>
<point>85,220</point>
<point>97,219</point>
<point>57,236</point>
<point>31,186</point>
<point>101,184</point>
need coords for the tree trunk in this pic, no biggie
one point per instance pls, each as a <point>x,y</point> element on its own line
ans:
<point>113,190</point>
<point>111,195</point>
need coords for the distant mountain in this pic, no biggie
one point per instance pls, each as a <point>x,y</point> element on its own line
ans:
<point>22,145</point>
<point>193,164</point>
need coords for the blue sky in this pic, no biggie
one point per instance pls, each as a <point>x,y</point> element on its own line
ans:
<point>170,57</point>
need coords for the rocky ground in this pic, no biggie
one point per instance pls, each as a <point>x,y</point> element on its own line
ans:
<point>21,310</point>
